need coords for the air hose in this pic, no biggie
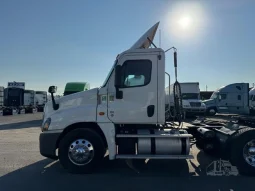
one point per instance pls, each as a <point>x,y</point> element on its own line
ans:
<point>178,110</point>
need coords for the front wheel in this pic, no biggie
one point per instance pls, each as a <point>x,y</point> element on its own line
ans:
<point>81,150</point>
<point>211,111</point>
<point>243,151</point>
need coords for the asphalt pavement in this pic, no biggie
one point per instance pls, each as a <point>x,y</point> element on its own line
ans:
<point>23,168</point>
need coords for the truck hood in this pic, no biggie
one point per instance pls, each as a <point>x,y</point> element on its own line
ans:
<point>209,102</point>
<point>78,99</point>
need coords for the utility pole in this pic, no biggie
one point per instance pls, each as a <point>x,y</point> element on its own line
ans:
<point>206,88</point>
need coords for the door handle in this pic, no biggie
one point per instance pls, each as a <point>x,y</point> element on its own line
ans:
<point>150,110</point>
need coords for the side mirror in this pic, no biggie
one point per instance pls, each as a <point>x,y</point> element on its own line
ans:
<point>52,89</point>
<point>117,82</point>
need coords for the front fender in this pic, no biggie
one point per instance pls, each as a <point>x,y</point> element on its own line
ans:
<point>65,117</point>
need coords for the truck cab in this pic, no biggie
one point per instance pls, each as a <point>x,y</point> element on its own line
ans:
<point>126,116</point>
<point>232,98</point>
<point>252,100</point>
<point>191,102</point>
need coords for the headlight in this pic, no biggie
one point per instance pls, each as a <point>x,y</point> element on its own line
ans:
<point>46,125</point>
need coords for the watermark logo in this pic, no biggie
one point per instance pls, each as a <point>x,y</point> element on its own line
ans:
<point>221,168</point>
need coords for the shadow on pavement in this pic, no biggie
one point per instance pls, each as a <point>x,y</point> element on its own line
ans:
<point>21,125</point>
<point>115,175</point>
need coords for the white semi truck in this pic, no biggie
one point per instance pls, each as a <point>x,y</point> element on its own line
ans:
<point>252,99</point>
<point>29,101</point>
<point>128,119</point>
<point>1,100</point>
<point>40,100</point>
<point>191,103</point>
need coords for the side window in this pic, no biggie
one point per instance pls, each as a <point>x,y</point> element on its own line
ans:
<point>223,96</point>
<point>238,87</point>
<point>239,97</point>
<point>136,73</point>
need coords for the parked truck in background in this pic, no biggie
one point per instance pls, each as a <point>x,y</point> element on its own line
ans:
<point>252,100</point>
<point>40,100</point>
<point>74,87</point>
<point>232,98</point>
<point>1,100</point>
<point>191,102</point>
<point>14,98</point>
<point>129,119</point>
<point>29,101</point>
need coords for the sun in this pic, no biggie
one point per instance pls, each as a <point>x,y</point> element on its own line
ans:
<point>185,22</point>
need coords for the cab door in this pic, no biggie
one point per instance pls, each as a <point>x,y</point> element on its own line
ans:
<point>138,90</point>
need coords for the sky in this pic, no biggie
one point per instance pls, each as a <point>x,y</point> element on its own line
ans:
<point>52,42</point>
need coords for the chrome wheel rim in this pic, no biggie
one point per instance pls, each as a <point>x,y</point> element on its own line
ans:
<point>249,152</point>
<point>81,152</point>
<point>212,111</point>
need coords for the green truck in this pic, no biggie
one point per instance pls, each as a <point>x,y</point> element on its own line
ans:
<point>74,87</point>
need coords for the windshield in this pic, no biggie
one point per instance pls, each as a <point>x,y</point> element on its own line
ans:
<point>190,96</point>
<point>109,74</point>
<point>214,95</point>
<point>14,92</point>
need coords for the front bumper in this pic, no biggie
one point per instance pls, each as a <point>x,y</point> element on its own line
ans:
<point>48,144</point>
<point>196,111</point>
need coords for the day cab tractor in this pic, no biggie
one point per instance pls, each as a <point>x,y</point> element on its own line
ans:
<point>129,121</point>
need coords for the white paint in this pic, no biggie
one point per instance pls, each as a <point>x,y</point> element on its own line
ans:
<point>40,99</point>
<point>74,108</point>
<point>252,98</point>
<point>133,107</point>
<point>29,98</point>
<point>109,132</point>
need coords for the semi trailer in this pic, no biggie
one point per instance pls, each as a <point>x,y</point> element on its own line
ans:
<point>40,100</point>
<point>129,119</point>
<point>29,101</point>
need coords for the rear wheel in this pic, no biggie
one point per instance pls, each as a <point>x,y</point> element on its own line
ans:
<point>81,150</point>
<point>243,151</point>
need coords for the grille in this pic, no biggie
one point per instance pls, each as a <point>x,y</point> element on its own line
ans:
<point>195,104</point>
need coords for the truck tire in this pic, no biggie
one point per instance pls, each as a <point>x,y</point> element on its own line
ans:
<point>81,150</point>
<point>211,111</point>
<point>243,151</point>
